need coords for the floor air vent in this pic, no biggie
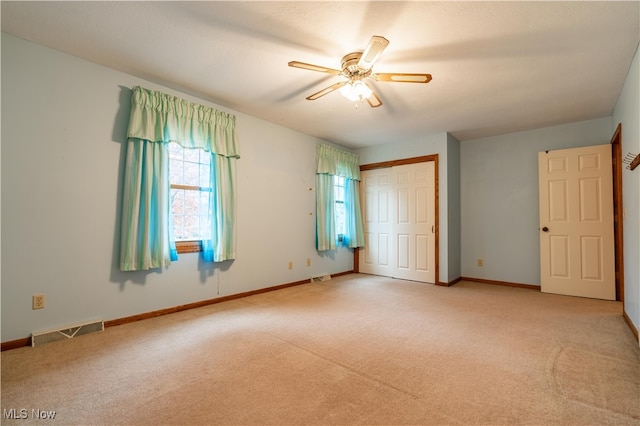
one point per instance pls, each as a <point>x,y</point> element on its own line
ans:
<point>320,278</point>
<point>43,337</point>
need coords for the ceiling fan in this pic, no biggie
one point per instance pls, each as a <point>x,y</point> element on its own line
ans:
<point>357,68</point>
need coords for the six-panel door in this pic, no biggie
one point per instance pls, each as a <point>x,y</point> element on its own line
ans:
<point>399,219</point>
<point>576,222</point>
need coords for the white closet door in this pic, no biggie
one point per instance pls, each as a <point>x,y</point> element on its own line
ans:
<point>377,200</point>
<point>399,222</point>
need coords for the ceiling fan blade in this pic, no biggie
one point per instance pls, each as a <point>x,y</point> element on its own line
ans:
<point>402,78</point>
<point>312,67</point>
<point>326,90</point>
<point>371,53</point>
<point>373,99</point>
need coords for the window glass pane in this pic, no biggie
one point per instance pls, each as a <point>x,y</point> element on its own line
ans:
<point>192,155</point>
<point>191,202</point>
<point>175,151</point>
<point>191,227</point>
<point>190,207</point>
<point>191,216</point>
<point>178,228</point>
<point>177,207</point>
<point>339,188</point>
<point>175,171</point>
<point>177,201</point>
<point>191,174</point>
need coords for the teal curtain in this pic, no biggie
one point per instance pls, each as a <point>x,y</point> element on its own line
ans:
<point>221,246</point>
<point>157,119</point>
<point>354,235</point>
<point>325,213</point>
<point>334,162</point>
<point>146,208</point>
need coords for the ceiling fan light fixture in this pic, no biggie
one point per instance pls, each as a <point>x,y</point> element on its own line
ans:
<point>356,91</point>
<point>357,72</point>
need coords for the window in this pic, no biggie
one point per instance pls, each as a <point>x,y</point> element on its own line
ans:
<point>189,171</point>
<point>338,187</point>
<point>162,180</point>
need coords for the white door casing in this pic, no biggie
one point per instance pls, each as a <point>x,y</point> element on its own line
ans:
<point>399,222</point>
<point>577,255</point>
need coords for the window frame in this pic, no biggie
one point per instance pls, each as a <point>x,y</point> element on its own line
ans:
<point>190,246</point>
<point>187,246</point>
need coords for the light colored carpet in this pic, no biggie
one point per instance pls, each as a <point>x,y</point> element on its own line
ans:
<point>357,349</point>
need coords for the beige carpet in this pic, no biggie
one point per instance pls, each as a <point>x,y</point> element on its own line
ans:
<point>354,350</point>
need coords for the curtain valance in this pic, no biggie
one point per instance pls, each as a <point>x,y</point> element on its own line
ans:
<point>159,117</point>
<point>336,162</point>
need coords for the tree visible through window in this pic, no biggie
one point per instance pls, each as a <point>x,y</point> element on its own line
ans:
<point>338,186</point>
<point>190,179</point>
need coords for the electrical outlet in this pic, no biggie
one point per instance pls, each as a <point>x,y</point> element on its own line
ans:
<point>290,265</point>
<point>37,302</point>
<point>480,262</point>
<point>308,262</point>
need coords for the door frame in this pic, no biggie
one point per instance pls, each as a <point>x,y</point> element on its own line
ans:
<point>436,217</point>
<point>616,164</point>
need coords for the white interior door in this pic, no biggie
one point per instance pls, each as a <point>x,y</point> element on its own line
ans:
<point>576,222</point>
<point>376,196</point>
<point>399,222</point>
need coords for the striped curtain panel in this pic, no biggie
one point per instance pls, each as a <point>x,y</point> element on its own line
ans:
<point>354,234</point>
<point>146,208</point>
<point>325,213</point>
<point>222,203</point>
<point>157,119</point>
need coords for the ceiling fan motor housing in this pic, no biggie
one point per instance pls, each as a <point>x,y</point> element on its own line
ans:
<point>350,67</point>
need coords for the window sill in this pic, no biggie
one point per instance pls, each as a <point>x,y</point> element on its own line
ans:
<point>189,246</point>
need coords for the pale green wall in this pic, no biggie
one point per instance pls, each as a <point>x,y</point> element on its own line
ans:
<point>627,112</point>
<point>63,127</point>
<point>499,181</point>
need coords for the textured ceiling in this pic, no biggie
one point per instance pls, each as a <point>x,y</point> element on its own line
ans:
<point>497,67</point>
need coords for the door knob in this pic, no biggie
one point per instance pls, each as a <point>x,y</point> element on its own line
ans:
<point>545,229</point>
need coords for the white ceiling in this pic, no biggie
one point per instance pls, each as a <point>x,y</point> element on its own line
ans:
<point>497,67</point>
